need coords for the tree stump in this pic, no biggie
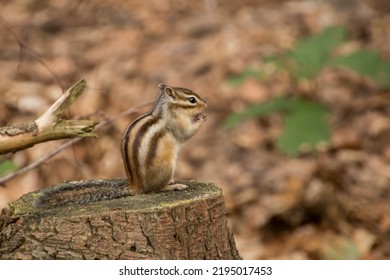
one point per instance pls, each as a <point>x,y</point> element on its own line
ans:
<point>188,224</point>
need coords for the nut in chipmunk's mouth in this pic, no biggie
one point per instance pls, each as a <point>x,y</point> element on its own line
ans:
<point>199,117</point>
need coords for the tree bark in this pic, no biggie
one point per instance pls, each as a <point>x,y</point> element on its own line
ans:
<point>189,224</point>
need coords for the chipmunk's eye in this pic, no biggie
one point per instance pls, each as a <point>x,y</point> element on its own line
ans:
<point>192,99</point>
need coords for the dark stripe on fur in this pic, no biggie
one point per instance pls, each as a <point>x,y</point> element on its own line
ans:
<point>125,150</point>
<point>153,146</point>
<point>173,106</point>
<point>186,92</point>
<point>138,141</point>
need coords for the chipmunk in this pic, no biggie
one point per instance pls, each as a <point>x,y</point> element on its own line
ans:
<point>149,150</point>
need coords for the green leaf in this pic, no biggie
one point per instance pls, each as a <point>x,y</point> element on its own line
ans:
<point>311,54</point>
<point>258,110</point>
<point>305,122</point>
<point>366,63</point>
<point>7,166</point>
<point>383,77</point>
<point>341,249</point>
<point>305,61</point>
<point>305,125</point>
<point>240,78</point>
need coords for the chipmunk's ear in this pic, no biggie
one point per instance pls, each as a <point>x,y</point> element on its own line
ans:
<point>170,92</point>
<point>167,90</point>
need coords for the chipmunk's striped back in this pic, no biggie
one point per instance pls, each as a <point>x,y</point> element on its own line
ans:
<point>151,143</point>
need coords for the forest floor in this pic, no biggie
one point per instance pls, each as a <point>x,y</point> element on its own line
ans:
<point>328,204</point>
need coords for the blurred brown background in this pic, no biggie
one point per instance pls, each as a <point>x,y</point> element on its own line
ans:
<point>332,204</point>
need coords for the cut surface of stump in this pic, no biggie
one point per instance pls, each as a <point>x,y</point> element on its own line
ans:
<point>187,224</point>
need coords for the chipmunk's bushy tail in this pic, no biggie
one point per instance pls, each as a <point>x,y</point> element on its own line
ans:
<point>82,192</point>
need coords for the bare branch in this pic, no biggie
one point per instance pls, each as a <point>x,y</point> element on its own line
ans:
<point>50,126</point>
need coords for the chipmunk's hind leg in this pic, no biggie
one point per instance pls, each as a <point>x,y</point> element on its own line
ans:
<point>172,186</point>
